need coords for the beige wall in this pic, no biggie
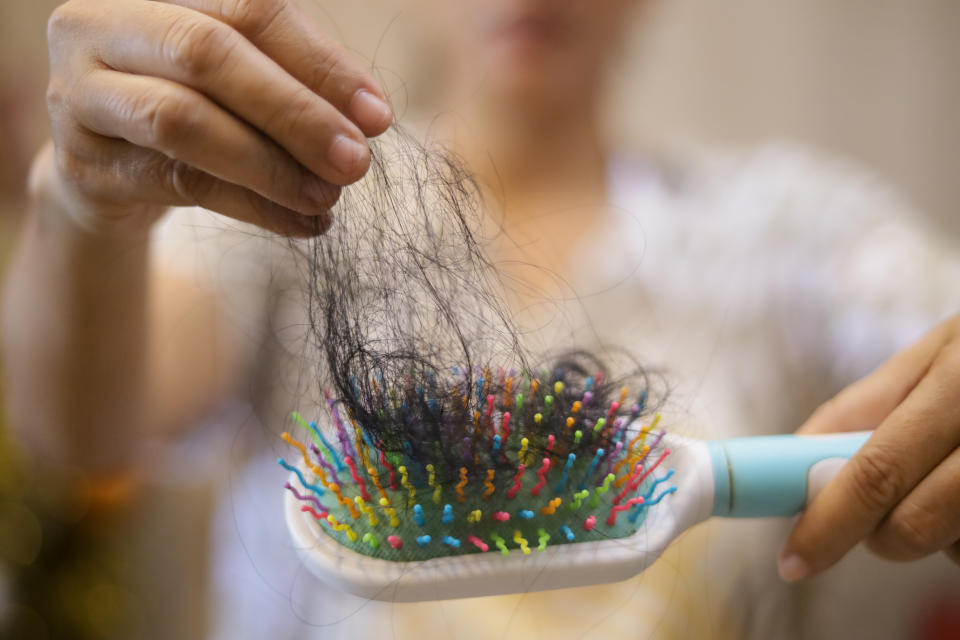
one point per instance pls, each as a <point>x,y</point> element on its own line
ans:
<point>875,80</point>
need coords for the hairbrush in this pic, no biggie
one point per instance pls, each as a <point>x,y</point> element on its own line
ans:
<point>503,484</point>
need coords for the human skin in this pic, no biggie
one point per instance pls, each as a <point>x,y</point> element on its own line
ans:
<point>148,99</point>
<point>245,108</point>
<point>901,492</point>
<point>524,84</point>
<point>539,64</point>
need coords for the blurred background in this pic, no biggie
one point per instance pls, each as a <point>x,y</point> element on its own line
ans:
<point>875,82</point>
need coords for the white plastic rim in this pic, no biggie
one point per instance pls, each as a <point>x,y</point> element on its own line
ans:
<point>492,573</point>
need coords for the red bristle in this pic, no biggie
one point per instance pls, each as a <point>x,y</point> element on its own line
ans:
<point>512,493</point>
<point>663,456</point>
<point>478,543</point>
<point>617,508</point>
<point>637,470</point>
<point>356,478</point>
<point>542,473</point>
<point>393,473</point>
<point>308,509</point>
<point>614,407</point>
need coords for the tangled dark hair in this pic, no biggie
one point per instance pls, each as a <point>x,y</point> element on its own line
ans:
<point>411,323</point>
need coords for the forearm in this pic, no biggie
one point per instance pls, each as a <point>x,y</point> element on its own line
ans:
<point>74,339</point>
<point>144,116</point>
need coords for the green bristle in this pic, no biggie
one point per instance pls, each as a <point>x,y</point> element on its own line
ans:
<point>563,481</point>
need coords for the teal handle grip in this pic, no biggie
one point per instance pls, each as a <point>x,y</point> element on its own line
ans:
<point>768,475</point>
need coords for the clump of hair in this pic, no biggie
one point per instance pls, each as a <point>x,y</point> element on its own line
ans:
<point>419,352</point>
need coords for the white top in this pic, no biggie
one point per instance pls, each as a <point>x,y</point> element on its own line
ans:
<point>760,284</point>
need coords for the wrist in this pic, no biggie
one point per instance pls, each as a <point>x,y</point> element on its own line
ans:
<point>60,207</point>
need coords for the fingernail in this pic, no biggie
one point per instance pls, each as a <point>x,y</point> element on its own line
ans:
<point>369,111</point>
<point>347,154</point>
<point>792,568</point>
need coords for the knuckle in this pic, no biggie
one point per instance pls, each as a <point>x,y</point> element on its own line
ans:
<point>334,73</point>
<point>73,167</point>
<point>86,176</point>
<point>910,533</point>
<point>948,358</point>
<point>251,17</point>
<point>295,115</point>
<point>278,174</point>
<point>165,119</point>
<point>330,74</point>
<point>56,95</point>
<point>876,479</point>
<point>186,183</point>
<point>64,20</point>
<point>196,45</point>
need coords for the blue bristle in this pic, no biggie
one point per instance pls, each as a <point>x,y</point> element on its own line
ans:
<point>637,510</point>
<point>642,399</point>
<point>562,485</point>
<point>369,442</point>
<point>333,454</point>
<point>590,470</point>
<point>283,463</point>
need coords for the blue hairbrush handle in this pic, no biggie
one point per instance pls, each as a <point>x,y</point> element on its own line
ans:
<point>770,475</point>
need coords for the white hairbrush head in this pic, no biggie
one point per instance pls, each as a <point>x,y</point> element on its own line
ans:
<point>491,573</point>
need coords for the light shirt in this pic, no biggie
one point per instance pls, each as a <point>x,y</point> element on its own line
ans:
<point>757,285</point>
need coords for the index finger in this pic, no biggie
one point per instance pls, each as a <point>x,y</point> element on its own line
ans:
<point>212,58</point>
<point>910,442</point>
<point>285,33</point>
<point>866,403</point>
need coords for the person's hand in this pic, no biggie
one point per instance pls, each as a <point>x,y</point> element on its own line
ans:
<point>901,492</point>
<point>243,107</point>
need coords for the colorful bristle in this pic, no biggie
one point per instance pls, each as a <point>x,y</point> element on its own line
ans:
<point>491,461</point>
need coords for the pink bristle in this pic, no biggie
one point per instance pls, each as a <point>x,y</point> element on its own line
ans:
<point>393,472</point>
<point>517,481</point>
<point>478,543</point>
<point>617,508</point>
<point>542,474</point>
<point>635,484</point>
<point>357,478</point>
